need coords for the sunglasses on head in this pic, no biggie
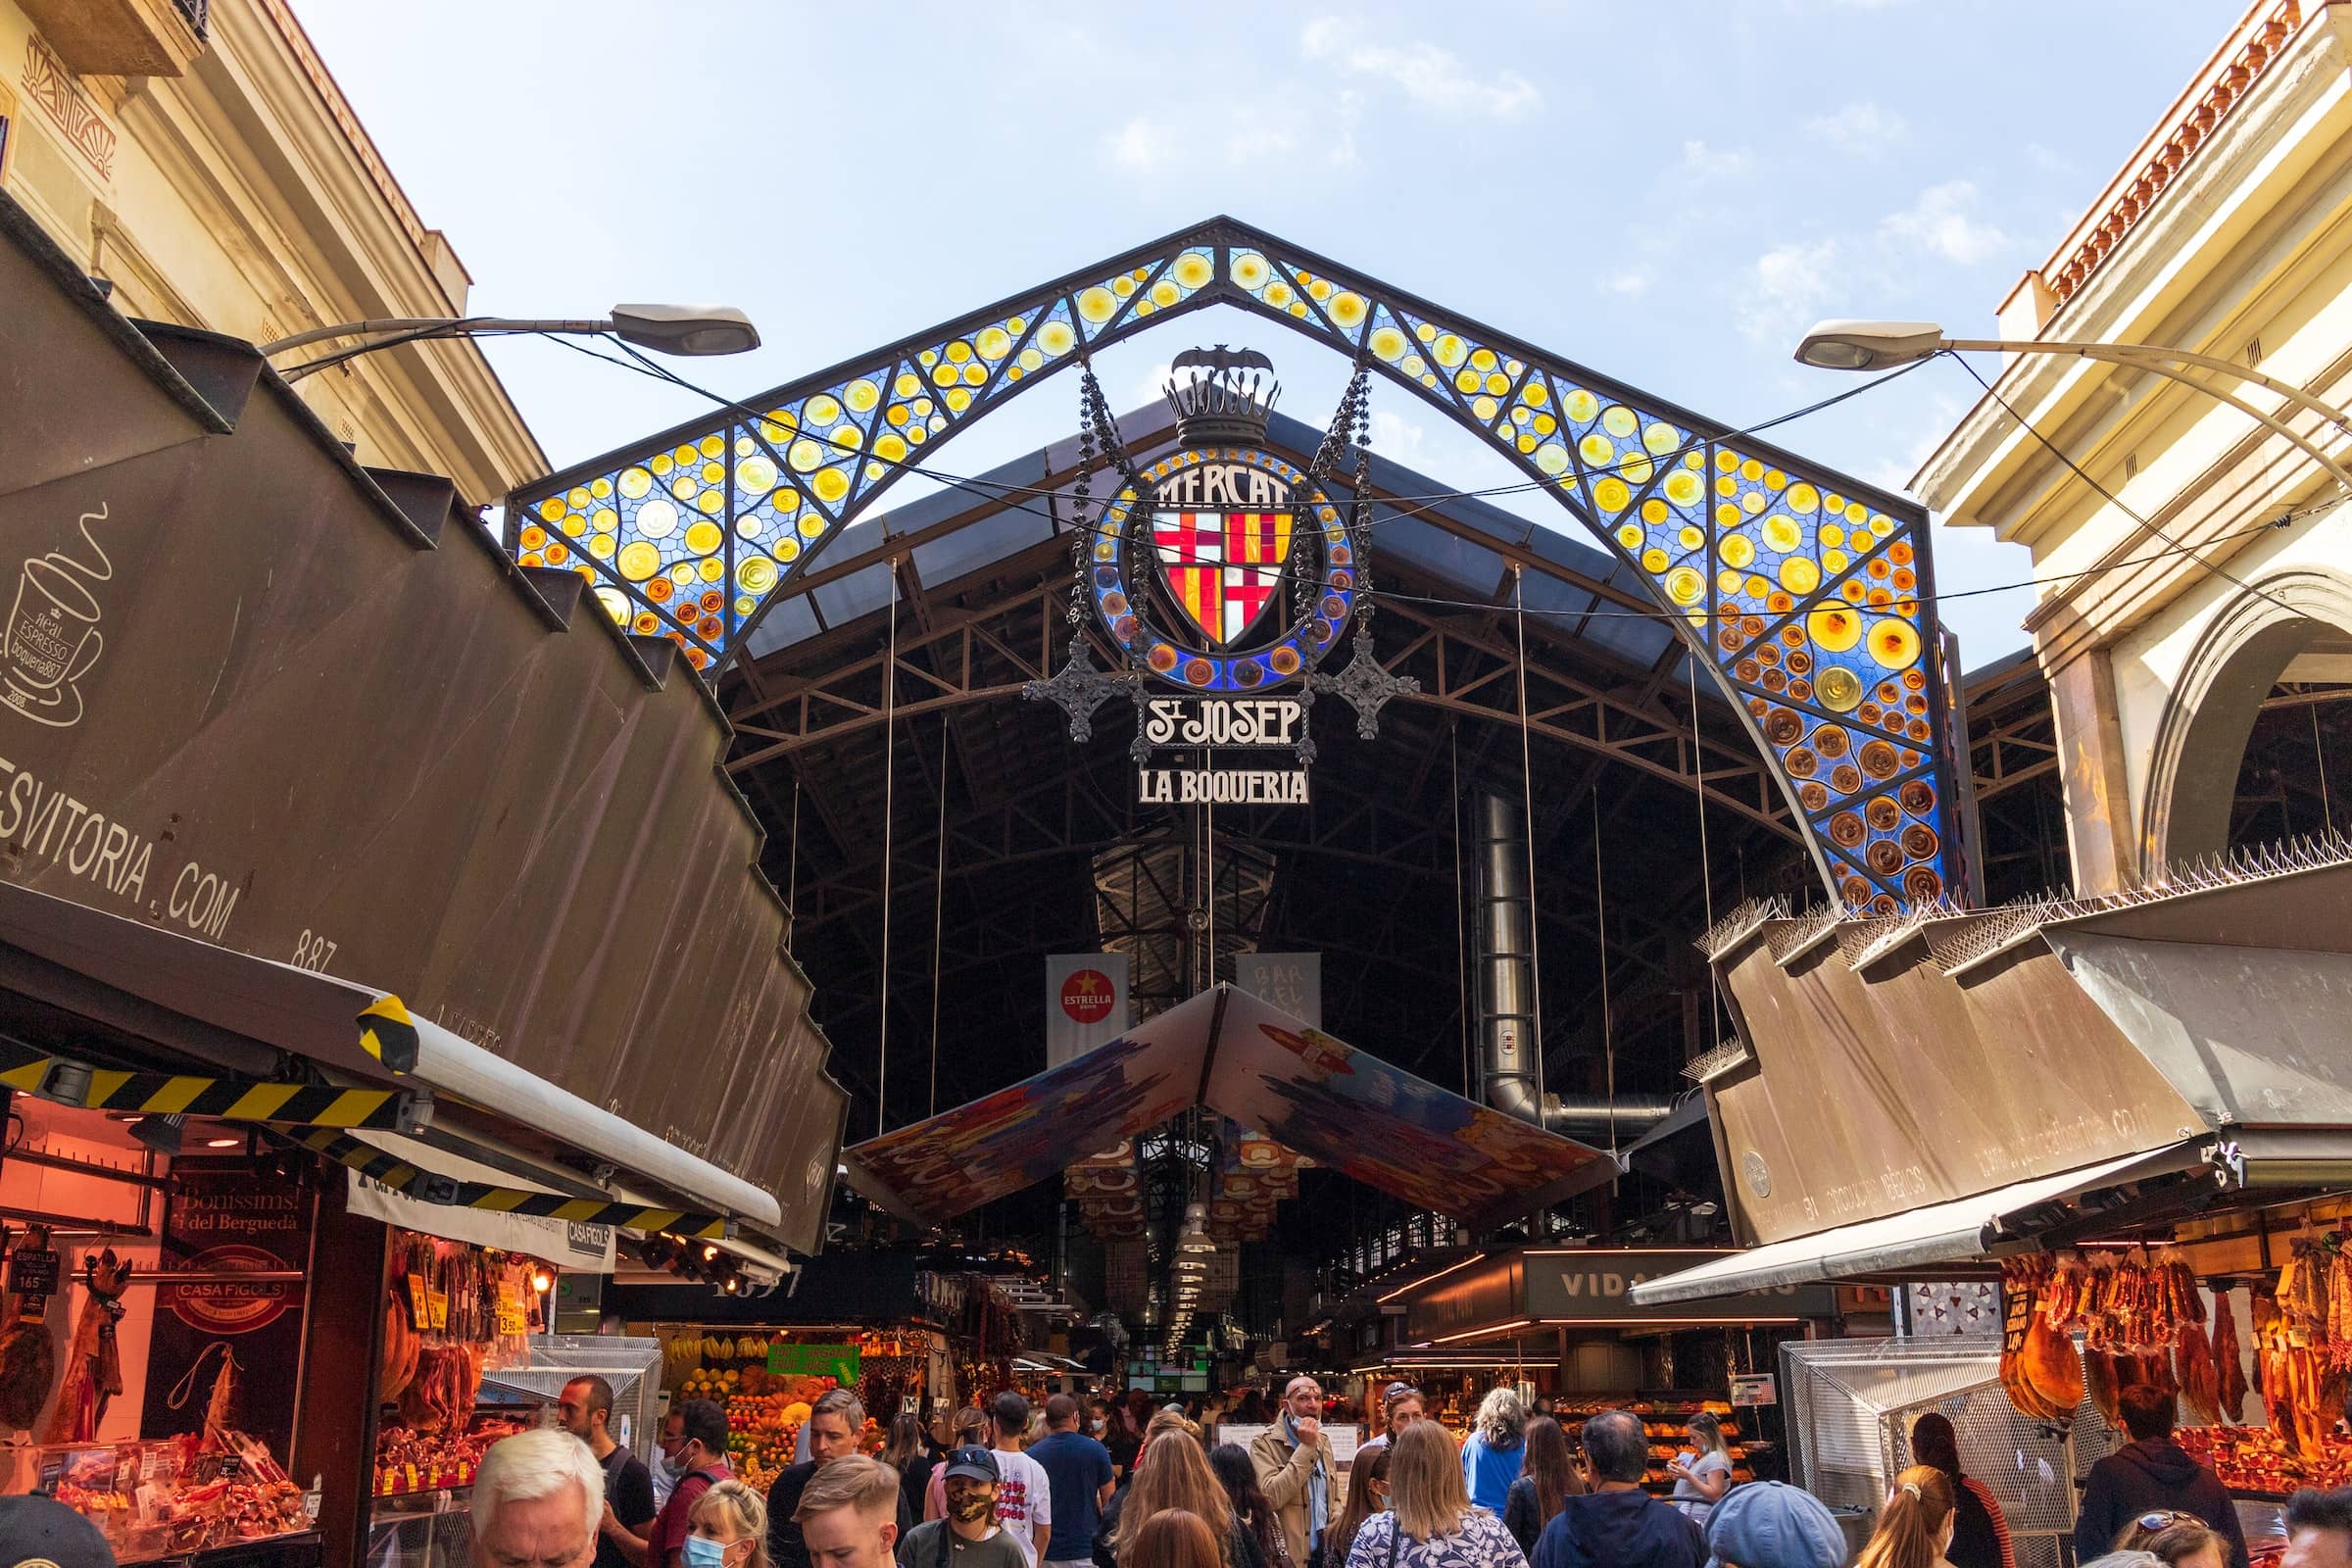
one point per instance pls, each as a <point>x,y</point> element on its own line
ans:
<point>2164,1518</point>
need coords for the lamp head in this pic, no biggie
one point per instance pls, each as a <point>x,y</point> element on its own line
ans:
<point>685,330</point>
<point>1844,345</point>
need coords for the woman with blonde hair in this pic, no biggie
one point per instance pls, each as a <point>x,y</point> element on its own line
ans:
<point>1497,1448</point>
<point>1430,1522</point>
<point>1174,1473</point>
<point>728,1528</point>
<point>1703,1475</point>
<point>1915,1525</point>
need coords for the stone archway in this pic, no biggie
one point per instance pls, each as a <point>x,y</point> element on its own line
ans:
<point>2210,712</point>
<point>1806,595</point>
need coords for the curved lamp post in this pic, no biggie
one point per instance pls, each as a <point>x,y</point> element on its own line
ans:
<point>680,329</point>
<point>1844,345</point>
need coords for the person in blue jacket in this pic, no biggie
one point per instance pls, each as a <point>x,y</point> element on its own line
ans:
<point>1618,1525</point>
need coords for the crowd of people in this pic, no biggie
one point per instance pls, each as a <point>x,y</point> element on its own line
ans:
<point>1123,1484</point>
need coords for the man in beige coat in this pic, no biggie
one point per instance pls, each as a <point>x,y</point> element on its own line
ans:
<point>1295,1469</point>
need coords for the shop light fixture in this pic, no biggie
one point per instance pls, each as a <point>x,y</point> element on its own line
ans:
<point>223,1143</point>
<point>1480,1333</point>
<point>1414,1285</point>
<point>159,1133</point>
<point>541,1279</point>
<point>67,1083</point>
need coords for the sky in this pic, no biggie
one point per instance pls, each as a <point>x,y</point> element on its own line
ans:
<point>1666,194</point>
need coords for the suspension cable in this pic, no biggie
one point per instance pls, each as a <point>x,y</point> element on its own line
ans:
<point>1706,874</point>
<point>1527,804</point>
<point>1600,924</point>
<point>2319,755</point>
<point>1461,948</point>
<point>939,908</point>
<point>890,780</point>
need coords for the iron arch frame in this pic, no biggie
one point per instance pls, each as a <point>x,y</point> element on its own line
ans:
<point>1807,595</point>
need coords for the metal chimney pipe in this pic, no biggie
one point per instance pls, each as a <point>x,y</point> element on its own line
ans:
<point>1505,990</point>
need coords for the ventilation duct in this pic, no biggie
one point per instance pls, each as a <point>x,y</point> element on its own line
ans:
<point>1506,992</point>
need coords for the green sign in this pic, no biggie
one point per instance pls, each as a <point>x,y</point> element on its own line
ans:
<point>836,1361</point>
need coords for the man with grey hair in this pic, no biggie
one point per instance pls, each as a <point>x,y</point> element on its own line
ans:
<point>537,1499</point>
<point>1295,1467</point>
<point>834,1423</point>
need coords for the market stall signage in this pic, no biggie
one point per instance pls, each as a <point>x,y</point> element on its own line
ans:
<point>836,1361</point>
<point>1755,1388</point>
<point>33,1274</point>
<point>1588,1285</point>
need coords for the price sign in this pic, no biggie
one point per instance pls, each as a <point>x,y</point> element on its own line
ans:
<point>436,1308</point>
<point>512,1317</point>
<point>836,1361</point>
<point>33,1274</point>
<point>1755,1388</point>
<point>421,1305</point>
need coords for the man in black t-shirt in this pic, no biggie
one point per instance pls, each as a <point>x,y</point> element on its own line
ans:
<point>585,1409</point>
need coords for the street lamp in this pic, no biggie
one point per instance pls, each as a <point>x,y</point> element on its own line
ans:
<point>690,331</point>
<point>1847,345</point>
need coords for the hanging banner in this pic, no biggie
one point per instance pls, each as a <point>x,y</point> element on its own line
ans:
<point>226,1218</point>
<point>1291,981</point>
<point>1086,1003</point>
<point>563,1243</point>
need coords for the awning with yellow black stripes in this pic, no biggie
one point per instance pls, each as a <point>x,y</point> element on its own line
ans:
<point>33,1071</point>
<point>413,1181</point>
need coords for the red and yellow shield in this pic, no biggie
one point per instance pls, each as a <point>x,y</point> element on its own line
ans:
<point>1222,568</point>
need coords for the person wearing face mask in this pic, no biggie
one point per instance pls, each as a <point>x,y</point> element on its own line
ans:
<point>1079,1478</point>
<point>694,1444</point>
<point>728,1527</point>
<point>969,1536</point>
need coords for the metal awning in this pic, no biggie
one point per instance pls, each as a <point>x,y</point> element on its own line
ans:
<point>1922,1238</point>
<point>315,1016</point>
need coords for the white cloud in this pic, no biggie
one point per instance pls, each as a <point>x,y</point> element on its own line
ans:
<point>1865,128</point>
<point>1628,281</point>
<point>1786,289</point>
<point>1430,76</point>
<point>1396,438</point>
<point>1711,163</point>
<point>1257,141</point>
<point>2045,158</point>
<point>1343,121</point>
<point>1941,223</point>
<point>1140,146</point>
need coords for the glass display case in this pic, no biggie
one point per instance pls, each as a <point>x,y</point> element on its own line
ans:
<point>178,1499</point>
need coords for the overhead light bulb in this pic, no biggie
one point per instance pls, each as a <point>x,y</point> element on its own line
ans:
<point>541,1279</point>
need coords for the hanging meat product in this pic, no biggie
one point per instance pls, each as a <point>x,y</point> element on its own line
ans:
<point>401,1346</point>
<point>2200,1380</point>
<point>2228,1362</point>
<point>93,1368</point>
<point>2052,1370</point>
<point>28,1355</point>
<point>2101,1387</point>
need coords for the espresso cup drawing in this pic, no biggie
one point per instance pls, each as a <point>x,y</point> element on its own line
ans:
<point>53,636</point>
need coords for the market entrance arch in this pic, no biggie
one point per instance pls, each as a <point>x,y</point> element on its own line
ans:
<point>1806,595</point>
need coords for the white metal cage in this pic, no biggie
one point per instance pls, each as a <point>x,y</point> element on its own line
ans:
<point>1850,1406</point>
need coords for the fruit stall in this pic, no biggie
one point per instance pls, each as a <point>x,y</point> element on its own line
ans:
<point>767,1379</point>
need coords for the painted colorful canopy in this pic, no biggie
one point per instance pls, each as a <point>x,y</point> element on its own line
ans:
<point>1248,1059</point>
<point>1807,595</point>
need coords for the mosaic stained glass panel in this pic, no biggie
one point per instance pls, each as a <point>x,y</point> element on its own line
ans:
<point>1804,592</point>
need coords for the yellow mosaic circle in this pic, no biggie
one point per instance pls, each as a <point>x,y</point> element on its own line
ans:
<point>603,519</point>
<point>1781,533</point>
<point>656,518</point>
<point>1838,688</point>
<point>861,394</point>
<point>1535,395</point>
<point>711,446</point>
<point>992,342</point>
<point>616,602</point>
<point>1655,512</point>
<point>702,536</point>
<point>806,455</point>
<point>1251,270</point>
<point>755,574</point>
<point>755,474</point>
<point>1689,537</point>
<point>821,410</point>
<point>787,502</point>
<point>1097,305</point>
<point>1834,631</point>
<point>811,526</point>
<point>711,502</point>
<point>1056,337</point>
<point>1450,350</point>
<point>1736,550</point>
<point>1800,575</point>
<point>601,545</point>
<point>1193,270</point>
<point>831,485</point>
<point>1165,292</point>
<point>1683,488</point>
<point>639,560</point>
<point>1388,344</point>
<point>889,447</point>
<point>1580,405</point>
<point>1636,468</point>
<point>1552,459</point>
<point>710,568</point>
<point>1894,644</point>
<point>1653,559</point>
<point>1630,536</point>
<point>1803,498</point>
<point>1610,494</point>
<point>1619,420</point>
<point>1349,310</point>
<point>1660,438</point>
<point>635,483</point>
<point>1598,448</point>
<point>1833,560</point>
